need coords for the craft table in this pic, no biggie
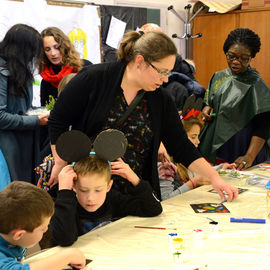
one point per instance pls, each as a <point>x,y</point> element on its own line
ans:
<point>120,245</point>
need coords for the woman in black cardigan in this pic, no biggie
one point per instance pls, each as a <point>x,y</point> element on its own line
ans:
<point>99,95</point>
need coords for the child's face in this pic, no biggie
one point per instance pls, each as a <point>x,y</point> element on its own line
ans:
<point>29,239</point>
<point>193,134</point>
<point>92,190</point>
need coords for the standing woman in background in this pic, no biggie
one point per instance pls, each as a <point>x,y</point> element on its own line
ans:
<point>20,54</point>
<point>60,58</point>
<point>96,98</point>
<point>240,99</point>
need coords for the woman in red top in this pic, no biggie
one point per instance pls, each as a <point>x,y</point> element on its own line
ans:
<point>60,58</point>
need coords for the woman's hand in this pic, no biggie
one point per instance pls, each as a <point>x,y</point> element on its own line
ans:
<point>58,166</point>
<point>206,111</point>
<point>122,169</point>
<point>201,180</point>
<point>54,174</point>
<point>223,188</point>
<point>43,119</point>
<point>255,146</point>
<point>243,162</point>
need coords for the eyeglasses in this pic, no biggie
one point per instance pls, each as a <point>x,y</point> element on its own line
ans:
<point>232,57</point>
<point>161,73</point>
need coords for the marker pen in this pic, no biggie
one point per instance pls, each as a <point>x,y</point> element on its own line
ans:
<point>248,220</point>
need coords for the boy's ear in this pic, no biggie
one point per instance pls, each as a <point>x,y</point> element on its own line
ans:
<point>17,234</point>
<point>74,188</point>
<point>110,185</point>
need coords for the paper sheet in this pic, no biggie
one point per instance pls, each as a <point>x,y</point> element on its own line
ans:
<point>115,33</point>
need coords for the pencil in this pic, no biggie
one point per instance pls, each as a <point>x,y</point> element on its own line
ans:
<point>146,227</point>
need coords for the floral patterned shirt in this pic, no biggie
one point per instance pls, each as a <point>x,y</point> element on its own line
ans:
<point>137,129</point>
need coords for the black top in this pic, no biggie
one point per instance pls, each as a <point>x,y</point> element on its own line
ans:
<point>71,220</point>
<point>88,98</point>
<point>46,89</point>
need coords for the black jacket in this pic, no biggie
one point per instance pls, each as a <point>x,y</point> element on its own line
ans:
<point>68,221</point>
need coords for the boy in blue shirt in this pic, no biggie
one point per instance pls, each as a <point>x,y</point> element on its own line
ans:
<point>25,212</point>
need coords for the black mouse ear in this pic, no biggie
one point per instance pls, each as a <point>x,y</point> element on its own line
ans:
<point>189,104</point>
<point>73,145</point>
<point>198,104</point>
<point>110,144</point>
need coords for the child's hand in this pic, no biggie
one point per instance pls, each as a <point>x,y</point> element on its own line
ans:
<point>76,257</point>
<point>122,169</point>
<point>230,166</point>
<point>66,177</point>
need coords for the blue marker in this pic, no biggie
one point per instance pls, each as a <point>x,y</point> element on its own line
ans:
<point>248,220</point>
<point>223,201</point>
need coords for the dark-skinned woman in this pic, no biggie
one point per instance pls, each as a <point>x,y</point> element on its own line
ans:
<point>238,106</point>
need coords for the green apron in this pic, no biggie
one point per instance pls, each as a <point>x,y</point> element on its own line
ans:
<point>236,99</point>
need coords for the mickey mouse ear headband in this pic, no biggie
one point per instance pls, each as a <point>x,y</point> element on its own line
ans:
<point>74,145</point>
<point>192,107</point>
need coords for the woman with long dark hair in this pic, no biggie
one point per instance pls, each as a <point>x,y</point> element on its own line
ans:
<point>20,53</point>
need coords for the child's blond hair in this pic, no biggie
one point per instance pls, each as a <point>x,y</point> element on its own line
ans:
<point>64,82</point>
<point>93,165</point>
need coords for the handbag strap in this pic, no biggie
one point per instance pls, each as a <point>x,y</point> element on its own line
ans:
<point>131,107</point>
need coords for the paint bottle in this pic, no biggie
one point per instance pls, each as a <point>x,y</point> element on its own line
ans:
<point>198,235</point>
<point>213,227</point>
<point>176,248</point>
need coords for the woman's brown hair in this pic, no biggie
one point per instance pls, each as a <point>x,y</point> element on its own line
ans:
<point>68,52</point>
<point>153,46</point>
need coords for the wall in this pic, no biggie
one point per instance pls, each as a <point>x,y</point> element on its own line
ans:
<point>170,23</point>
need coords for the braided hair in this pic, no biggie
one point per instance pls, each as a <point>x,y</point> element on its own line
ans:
<point>244,37</point>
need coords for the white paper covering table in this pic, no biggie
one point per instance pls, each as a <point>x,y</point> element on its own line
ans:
<point>236,245</point>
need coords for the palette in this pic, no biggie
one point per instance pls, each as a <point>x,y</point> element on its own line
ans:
<point>209,208</point>
<point>235,174</point>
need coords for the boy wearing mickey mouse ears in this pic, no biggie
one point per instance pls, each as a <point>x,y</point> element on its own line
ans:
<point>86,201</point>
